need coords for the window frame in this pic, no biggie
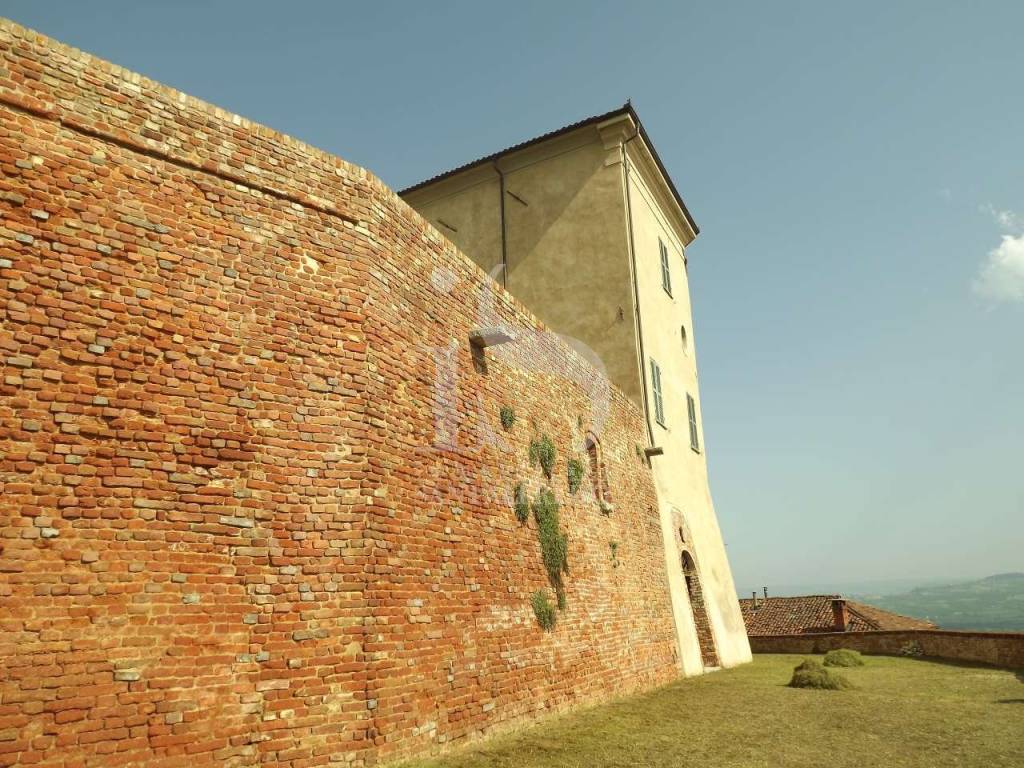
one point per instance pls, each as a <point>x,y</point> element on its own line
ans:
<point>658,394</point>
<point>691,409</point>
<point>666,269</point>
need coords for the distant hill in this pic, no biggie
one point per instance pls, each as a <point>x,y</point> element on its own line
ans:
<point>995,603</point>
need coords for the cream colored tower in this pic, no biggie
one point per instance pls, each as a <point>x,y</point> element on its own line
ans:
<point>586,228</point>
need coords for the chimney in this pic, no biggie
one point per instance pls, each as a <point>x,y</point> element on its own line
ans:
<point>755,599</point>
<point>840,615</point>
<point>765,592</point>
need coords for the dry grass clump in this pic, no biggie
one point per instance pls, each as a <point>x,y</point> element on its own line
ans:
<point>811,674</point>
<point>844,657</point>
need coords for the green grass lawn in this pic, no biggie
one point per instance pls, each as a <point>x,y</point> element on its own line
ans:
<point>903,712</point>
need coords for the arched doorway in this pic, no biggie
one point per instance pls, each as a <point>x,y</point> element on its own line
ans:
<point>708,652</point>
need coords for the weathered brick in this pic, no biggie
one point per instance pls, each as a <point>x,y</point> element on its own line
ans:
<point>244,341</point>
<point>272,685</point>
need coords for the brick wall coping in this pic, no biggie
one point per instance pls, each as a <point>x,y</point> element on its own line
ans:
<point>999,649</point>
<point>880,632</point>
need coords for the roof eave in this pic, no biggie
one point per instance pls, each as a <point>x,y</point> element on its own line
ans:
<point>516,148</point>
<point>664,172</point>
<point>625,109</point>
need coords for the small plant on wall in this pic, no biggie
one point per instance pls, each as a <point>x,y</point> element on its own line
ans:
<point>508,416</point>
<point>543,609</point>
<point>522,503</point>
<point>613,546</point>
<point>542,451</point>
<point>574,473</point>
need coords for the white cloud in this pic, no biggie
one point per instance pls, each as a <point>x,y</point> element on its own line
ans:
<point>1008,221</point>
<point>1002,276</point>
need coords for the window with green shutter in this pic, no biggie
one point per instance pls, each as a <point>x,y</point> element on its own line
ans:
<point>659,401</point>
<point>666,275</point>
<point>691,408</point>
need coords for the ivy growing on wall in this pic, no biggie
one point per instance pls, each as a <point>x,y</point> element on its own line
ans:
<point>574,472</point>
<point>508,416</point>
<point>542,451</point>
<point>543,609</point>
<point>522,503</point>
<point>554,544</point>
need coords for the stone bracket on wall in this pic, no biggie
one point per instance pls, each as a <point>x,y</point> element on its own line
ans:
<point>490,337</point>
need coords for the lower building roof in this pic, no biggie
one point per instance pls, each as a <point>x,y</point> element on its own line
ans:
<point>812,614</point>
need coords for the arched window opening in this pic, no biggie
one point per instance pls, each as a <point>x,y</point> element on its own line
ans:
<point>598,472</point>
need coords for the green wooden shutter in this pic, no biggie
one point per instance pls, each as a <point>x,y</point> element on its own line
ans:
<point>666,275</point>
<point>659,401</point>
<point>691,407</point>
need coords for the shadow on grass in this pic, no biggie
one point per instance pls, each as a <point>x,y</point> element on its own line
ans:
<point>961,663</point>
<point>1020,676</point>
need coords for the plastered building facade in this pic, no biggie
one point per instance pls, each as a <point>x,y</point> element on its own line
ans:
<point>585,227</point>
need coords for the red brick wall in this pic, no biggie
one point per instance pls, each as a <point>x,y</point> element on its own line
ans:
<point>255,496</point>
<point>1001,649</point>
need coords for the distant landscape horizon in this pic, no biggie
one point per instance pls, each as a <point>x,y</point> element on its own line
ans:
<point>991,603</point>
<point>850,587</point>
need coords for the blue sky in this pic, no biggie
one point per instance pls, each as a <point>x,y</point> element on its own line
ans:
<point>856,170</point>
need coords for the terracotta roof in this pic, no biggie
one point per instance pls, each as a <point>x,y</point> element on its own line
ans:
<point>813,614</point>
<point>887,619</point>
<point>625,109</point>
